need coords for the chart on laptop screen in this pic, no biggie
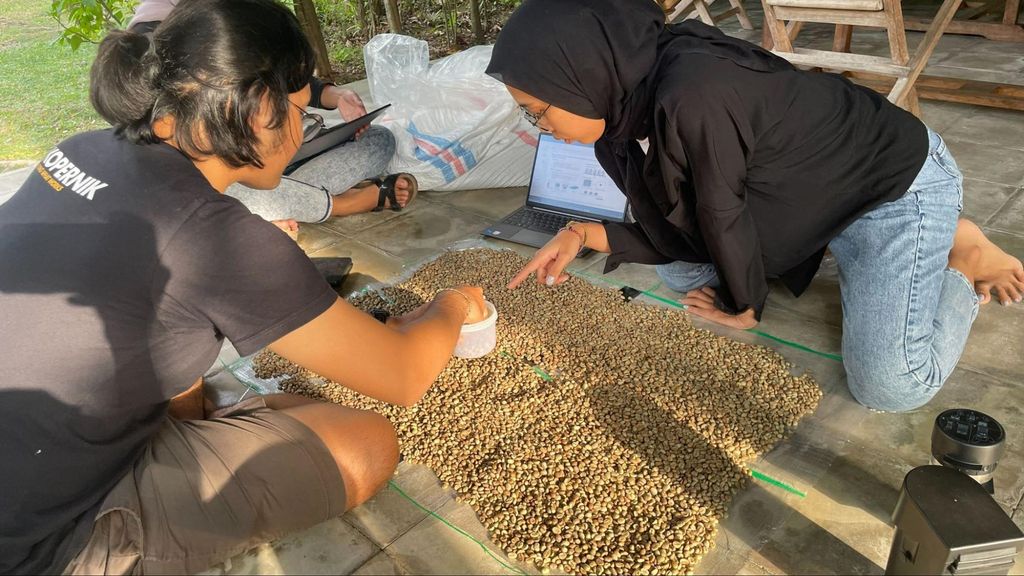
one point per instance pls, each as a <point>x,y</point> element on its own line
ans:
<point>568,176</point>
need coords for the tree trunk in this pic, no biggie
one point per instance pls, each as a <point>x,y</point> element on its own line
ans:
<point>305,11</point>
<point>361,15</point>
<point>373,9</point>
<point>451,23</point>
<point>394,16</point>
<point>474,18</point>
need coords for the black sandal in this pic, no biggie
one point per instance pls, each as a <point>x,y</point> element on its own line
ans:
<point>387,191</point>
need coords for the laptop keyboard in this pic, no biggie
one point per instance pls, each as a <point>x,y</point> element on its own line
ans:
<point>537,220</point>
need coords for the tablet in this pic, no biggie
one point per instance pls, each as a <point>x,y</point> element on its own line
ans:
<point>335,136</point>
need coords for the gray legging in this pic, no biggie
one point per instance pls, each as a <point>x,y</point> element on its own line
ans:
<point>300,196</point>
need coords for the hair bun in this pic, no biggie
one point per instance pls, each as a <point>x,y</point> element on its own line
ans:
<point>122,81</point>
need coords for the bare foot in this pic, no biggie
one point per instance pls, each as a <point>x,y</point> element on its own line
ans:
<point>364,199</point>
<point>987,265</point>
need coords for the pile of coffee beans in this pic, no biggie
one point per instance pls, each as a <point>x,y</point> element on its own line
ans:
<point>601,436</point>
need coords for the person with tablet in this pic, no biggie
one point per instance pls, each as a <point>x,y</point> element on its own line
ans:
<point>123,267</point>
<point>343,181</point>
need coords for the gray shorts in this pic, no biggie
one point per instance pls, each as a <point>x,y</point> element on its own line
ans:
<point>207,490</point>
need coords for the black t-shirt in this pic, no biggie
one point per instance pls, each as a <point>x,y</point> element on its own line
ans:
<point>121,271</point>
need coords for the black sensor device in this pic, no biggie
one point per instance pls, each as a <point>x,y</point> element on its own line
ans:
<point>969,441</point>
<point>948,524</point>
<point>628,293</point>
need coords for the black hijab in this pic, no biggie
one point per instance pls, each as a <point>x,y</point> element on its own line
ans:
<point>600,58</point>
<point>583,56</point>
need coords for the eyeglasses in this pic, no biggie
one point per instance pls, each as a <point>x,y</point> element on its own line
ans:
<point>532,118</point>
<point>312,124</point>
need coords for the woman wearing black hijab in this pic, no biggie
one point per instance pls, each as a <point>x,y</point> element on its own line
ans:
<point>753,169</point>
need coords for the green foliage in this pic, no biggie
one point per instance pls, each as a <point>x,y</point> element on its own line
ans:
<point>445,24</point>
<point>86,21</point>
<point>339,18</point>
<point>44,89</point>
<point>345,54</point>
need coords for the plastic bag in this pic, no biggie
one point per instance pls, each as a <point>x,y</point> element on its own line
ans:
<point>455,127</point>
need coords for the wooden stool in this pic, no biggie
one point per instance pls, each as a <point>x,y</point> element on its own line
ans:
<point>676,9</point>
<point>845,14</point>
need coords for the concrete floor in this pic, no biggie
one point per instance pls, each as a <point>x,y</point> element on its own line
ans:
<point>849,461</point>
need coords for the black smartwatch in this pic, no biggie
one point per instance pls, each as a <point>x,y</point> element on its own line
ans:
<point>380,314</point>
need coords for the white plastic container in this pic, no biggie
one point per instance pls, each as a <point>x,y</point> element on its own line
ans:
<point>480,338</point>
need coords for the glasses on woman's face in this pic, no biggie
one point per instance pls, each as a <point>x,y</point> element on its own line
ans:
<point>532,118</point>
<point>312,124</point>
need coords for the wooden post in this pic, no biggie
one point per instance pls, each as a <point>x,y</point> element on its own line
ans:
<point>394,17</point>
<point>305,11</point>
<point>474,19</point>
<point>1010,12</point>
<point>844,36</point>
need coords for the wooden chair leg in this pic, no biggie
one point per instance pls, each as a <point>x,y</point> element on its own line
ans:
<point>741,14</point>
<point>913,102</point>
<point>681,9</point>
<point>903,87</point>
<point>793,30</point>
<point>1011,11</point>
<point>703,12</point>
<point>897,34</point>
<point>780,35</point>
<point>843,38</point>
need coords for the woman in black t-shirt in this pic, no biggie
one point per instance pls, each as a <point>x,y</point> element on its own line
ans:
<point>753,169</point>
<point>122,269</point>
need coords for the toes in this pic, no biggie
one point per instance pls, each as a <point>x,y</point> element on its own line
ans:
<point>1004,297</point>
<point>984,290</point>
<point>1013,292</point>
<point>403,191</point>
<point>1018,285</point>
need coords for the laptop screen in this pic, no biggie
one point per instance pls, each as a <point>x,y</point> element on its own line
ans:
<point>568,178</point>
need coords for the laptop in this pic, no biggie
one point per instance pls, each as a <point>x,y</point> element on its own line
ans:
<point>567,184</point>
<point>334,136</point>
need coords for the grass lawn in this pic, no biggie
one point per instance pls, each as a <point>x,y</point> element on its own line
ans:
<point>44,88</point>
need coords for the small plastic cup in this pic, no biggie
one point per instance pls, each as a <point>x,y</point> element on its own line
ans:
<point>480,338</point>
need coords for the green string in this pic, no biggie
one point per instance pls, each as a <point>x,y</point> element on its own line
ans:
<point>777,483</point>
<point>455,528</point>
<point>835,357</point>
<point>676,304</point>
<point>544,375</point>
<point>537,369</point>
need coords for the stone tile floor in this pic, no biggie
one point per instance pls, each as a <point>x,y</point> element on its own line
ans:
<point>849,461</point>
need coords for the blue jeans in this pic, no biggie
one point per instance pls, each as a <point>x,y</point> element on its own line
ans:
<point>906,314</point>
